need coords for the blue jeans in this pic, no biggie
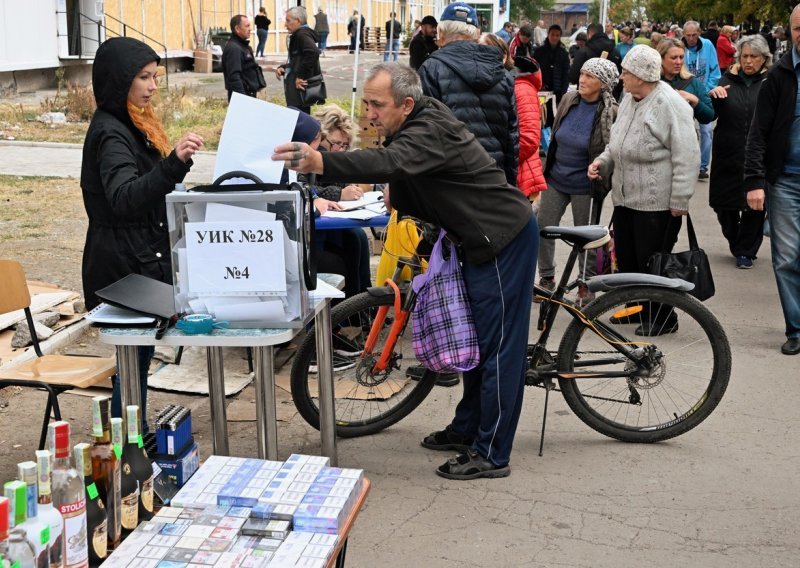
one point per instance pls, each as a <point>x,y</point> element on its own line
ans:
<point>323,40</point>
<point>706,131</point>
<point>262,41</point>
<point>145,355</point>
<point>783,209</point>
<point>395,47</point>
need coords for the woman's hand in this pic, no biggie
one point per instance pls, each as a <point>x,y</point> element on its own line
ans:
<point>678,212</point>
<point>755,199</point>
<point>323,205</point>
<point>351,193</point>
<point>386,202</point>
<point>299,157</point>
<point>594,170</point>
<point>300,84</point>
<point>279,71</point>
<point>720,92</point>
<point>188,146</point>
<point>689,98</point>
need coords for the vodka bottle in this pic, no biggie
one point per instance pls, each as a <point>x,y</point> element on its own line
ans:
<point>96,516</point>
<point>47,512</point>
<point>20,552</point>
<point>69,497</point>
<point>37,530</point>
<point>135,456</point>
<point>106,468</point>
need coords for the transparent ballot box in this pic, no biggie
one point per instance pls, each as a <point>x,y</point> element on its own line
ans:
<point>243,256</point>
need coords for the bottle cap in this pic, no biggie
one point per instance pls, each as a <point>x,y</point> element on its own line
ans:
<point>26,472</point>
<point>133,423</point>
<point>83,458</point>
<point>43,470</point>
<point>100,415</point>
<point>16,492</point>
<point>3,518</point>
<point>58,433</point>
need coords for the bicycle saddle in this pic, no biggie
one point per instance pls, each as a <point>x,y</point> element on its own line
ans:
<point>588,236</point>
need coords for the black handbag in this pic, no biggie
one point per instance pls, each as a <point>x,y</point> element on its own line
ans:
<point>691,265</point>
<point>315,93</point>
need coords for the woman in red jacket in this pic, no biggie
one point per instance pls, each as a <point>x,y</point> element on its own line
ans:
<point>528,82</point>
<point>725,49</point>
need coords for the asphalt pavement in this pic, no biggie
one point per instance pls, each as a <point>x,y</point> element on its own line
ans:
<point>724,495</point>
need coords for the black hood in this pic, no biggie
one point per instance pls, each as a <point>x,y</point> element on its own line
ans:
<point>479,66</point>
<point>116,63</point>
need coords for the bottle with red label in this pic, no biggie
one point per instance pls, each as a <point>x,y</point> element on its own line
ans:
<point>69,497</point>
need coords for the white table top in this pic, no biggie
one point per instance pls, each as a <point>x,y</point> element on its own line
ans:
<point>252,337</point>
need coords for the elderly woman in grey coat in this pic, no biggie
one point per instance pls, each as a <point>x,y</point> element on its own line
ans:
<point>654,155</point>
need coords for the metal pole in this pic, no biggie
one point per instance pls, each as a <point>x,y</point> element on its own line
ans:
<point>266,414</point>
<point>183,26</point>
<point>355,61</point>
<point>164,27</point>
<point>327,402</point>
<point>390,39</point>
<point>128,372</point>
<point>216,393</point>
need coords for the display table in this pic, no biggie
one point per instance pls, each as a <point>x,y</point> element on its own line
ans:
<point>127,340</point>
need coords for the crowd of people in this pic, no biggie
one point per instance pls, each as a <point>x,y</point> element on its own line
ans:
<point>462,151</point>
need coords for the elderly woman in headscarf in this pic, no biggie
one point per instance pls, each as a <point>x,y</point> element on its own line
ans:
<point>654,155</point>
<point>580,134</point>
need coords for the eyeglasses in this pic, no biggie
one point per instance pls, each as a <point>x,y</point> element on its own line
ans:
<point>341,145</point>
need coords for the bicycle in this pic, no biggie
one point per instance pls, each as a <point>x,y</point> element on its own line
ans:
<point>648,387</point>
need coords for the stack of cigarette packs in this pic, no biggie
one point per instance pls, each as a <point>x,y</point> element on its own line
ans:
<point>237,512</point>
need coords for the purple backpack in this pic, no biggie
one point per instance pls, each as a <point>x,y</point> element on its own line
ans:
<point>443,331</point>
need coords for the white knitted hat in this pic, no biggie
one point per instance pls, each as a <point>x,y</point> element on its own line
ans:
<point>603,69</point>
<point>644,62</point>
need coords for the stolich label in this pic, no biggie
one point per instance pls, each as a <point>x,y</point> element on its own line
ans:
<point>236,257</point>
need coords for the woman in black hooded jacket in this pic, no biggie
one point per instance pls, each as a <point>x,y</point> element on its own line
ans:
<point>128,167</point>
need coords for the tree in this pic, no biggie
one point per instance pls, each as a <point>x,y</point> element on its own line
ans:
<point>530,9</point>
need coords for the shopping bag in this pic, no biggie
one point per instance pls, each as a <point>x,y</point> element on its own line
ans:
<point>443,331</point>
<point>691,265</point>
<point>401,239</point>
<point>315,93</point>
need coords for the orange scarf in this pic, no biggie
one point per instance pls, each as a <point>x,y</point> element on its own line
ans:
<point>147,122</point>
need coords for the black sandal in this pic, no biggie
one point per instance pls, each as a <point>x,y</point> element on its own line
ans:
<point>446,440</point>
<point>471,465</point>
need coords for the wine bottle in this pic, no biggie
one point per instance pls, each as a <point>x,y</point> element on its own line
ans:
<point>96,515</point>
<point>20,550</point>
<point>37,530</point>
<point>130,487</point>
<point>135,455</point>
<point>106,468</point>
<point>69,497</point>
<point>47,512</point>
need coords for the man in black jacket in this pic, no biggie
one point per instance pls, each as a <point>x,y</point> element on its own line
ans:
<point>393,31</point>
<point>554,61</point>
<point>239,68</point>
<point>424,43</point>
<point>772,164</point>
<point>438,172</point>
<point>303,59</point>
<point>596,44</point>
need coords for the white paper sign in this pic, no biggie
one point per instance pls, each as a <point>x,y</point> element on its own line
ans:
<point>236,257</point>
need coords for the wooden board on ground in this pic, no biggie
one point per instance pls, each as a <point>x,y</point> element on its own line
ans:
<point>345,387</point>
<point>191,376</point>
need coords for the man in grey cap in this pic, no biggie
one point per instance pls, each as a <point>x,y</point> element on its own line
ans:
<point>424,43</point>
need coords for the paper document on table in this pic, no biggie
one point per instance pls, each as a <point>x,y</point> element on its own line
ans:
<point>364,214</point>
<point>252,130</point>
<point>325,290</point>
<point>107,314</point>
<point>369,198</point>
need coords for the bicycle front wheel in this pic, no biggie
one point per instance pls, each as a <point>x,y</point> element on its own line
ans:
<point>366,402</point>
<point>681,381</point>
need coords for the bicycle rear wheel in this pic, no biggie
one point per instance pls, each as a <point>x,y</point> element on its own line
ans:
<point>365,402</point>
<point>689,359</point>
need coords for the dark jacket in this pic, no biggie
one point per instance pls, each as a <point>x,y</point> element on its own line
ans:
<point>768,137</point>
<point>303,55</point>
<point>711,35</point>
<point>470,79</point>
<point>262,22</point>
<point>240,70</point>
<point>419,49</point>
<point>123,179</point>
<point>439,173</point>
<point>554,62</point>
<point>321,22</point>
<point>704,110</point>
<point>398,29</point>
<point>734,115</point>
<point>596,143</point>
<point>595,46</point>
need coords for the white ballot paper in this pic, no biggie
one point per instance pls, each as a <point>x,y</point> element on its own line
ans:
<point>252,130</point>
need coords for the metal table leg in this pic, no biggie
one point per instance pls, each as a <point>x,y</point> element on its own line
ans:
<point>128,372</point>
<point>216,393</point>
<point>327,409</point>
<point>266,413</point>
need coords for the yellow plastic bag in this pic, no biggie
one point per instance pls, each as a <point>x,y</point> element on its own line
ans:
<point>401,239</point>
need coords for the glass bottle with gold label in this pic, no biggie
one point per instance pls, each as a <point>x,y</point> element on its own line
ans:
<point>129,485</point>
<point>106,468</point>
<point>96,515</point>
<point>135,455</point>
